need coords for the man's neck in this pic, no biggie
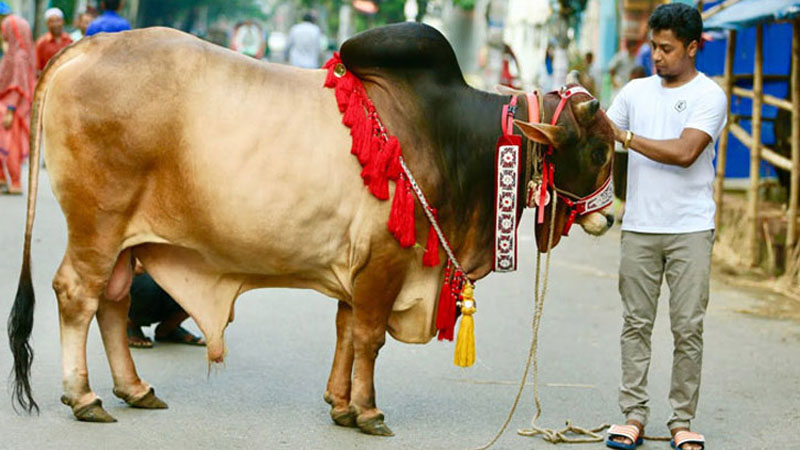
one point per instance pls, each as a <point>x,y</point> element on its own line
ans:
<point>56,35</point>
<point>679,80</point>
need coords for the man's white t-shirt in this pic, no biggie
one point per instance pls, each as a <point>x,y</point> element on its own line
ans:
<point>664,198</point>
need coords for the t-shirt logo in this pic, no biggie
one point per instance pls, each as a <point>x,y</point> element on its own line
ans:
<point>680,105</point>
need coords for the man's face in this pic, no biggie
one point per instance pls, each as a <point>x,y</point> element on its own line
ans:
<point>83,22</point>
<point>670,56</point>
<point>55,25</point>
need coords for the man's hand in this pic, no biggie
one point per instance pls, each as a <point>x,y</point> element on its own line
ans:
<point>8,119</point>
<point>619,135</point>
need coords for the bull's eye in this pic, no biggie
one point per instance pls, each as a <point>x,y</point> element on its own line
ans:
<point>598,156</point>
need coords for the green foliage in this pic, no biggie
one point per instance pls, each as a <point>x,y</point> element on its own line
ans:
<point>181,13</point>
<point>464,4</point>
<point>68,6</point>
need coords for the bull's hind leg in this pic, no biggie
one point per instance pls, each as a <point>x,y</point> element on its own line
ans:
<point>339,382</point>
<point>78,299</point>
<point>84,289</point>
<point>111,318</point>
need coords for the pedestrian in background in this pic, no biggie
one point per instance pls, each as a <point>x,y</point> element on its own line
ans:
<point>54,40</point>
<point>304,46</point>
<point>110,21</point>
<point>81,25</point>
<point>17,81</point>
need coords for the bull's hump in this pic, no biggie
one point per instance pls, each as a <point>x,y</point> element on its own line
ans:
<point>402,50</point>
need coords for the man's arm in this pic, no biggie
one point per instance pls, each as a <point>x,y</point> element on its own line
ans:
<point>682,151</point>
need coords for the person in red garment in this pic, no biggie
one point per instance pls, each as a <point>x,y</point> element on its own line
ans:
<point>54,40</point>
<point>17,80</point>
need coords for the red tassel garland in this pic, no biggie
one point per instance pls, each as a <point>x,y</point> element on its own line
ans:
<point>431,256</point>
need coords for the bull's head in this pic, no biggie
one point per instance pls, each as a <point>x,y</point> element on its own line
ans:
<point>583,152</point>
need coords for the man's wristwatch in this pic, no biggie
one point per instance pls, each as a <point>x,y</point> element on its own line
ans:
<point>628,138</point>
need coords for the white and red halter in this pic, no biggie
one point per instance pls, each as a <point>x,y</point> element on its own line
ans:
<point>507,165</point>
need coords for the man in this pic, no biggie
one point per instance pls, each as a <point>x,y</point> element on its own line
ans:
<point>54,40</point>
<point>672,120</point>
<point>81,25</point>
<point>110,21</point>
<point>303,48</point>
<point>151,304</point>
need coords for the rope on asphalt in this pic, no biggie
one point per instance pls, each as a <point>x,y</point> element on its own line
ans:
<point>549,435</point>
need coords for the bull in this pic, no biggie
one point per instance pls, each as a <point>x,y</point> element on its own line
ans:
<point>222,174</point>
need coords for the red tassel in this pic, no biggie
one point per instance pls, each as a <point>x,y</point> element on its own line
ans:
<point>393,168</point>
<point>379,183</point>
<point>333,61</point>
<point>344,89</point>
<point>354,112</point>
<point>362,135</point>
<point>431,256</point>
<point>445,313</point>
<point>372,170</point>
<point>394,215</point>
<point>408,232</point>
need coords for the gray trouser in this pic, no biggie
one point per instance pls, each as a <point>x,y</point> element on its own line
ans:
<point>685,260</point>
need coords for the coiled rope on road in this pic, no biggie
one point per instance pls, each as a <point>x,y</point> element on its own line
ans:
<point>550,435</point>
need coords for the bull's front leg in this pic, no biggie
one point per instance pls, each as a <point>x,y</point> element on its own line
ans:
<point>338,392</point>
<point>372,303</point>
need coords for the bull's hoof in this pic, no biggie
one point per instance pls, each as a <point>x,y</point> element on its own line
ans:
<point>148,401</point>
<point>93,412</point>
<point>374,426</point>
<point>344,417</point>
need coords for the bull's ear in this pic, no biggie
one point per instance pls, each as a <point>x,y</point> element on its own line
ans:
<point>505,90</point>
<point>541,132</point>
<point>585,111</point>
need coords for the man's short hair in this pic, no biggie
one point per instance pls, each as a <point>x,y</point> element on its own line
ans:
<point>111,5</point>
<point>682,19</point>
<point>308,17</point>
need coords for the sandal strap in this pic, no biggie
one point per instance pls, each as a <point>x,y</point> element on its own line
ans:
<point>629,431</point>
<point>682,437</point>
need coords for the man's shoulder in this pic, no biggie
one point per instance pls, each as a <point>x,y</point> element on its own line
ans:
<point>42,39</point>
<point>709,89</point>
<point>638,85</point>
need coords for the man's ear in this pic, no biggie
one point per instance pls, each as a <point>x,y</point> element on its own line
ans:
<point>692,48</point>
<point>541,132</point>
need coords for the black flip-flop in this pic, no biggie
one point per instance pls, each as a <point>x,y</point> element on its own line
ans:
<point>181,336</point>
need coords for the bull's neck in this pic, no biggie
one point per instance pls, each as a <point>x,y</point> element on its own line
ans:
<point>464,127</point>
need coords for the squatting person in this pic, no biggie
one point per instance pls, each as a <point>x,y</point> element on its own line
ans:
<point>670,122</point>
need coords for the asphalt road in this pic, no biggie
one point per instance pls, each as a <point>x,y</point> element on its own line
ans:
<point>269,393</point>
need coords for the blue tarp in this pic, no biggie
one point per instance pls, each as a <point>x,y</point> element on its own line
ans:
<point>749,13</point>
<point>777,58</point>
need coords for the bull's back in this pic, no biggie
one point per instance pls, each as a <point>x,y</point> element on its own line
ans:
<point>202,148</point>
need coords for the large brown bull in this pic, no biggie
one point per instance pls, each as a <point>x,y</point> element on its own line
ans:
<point>222,174</point>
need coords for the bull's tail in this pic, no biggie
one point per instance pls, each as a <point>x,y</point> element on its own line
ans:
<point>20,321</point>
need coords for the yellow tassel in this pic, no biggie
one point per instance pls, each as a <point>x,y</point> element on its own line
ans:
<point>465,342</point>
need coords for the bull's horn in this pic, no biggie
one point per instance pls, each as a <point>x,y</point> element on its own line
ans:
<point>574,77</point>
<point>585,111</point>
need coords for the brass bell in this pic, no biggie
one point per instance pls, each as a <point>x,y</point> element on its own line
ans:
<point>339,70</point>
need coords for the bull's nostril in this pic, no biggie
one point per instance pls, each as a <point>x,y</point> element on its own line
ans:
<point>610,220</point>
